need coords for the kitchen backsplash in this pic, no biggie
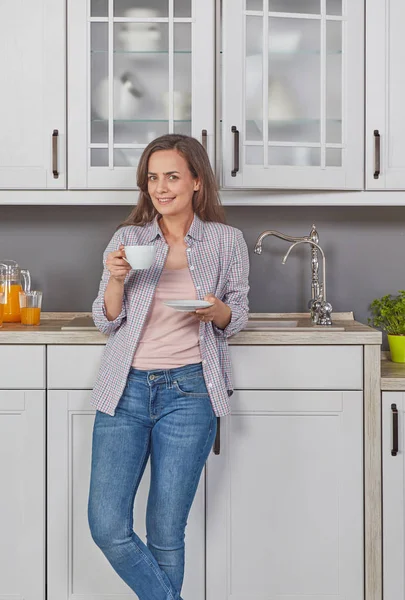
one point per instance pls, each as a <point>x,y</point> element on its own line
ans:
<point>62,246</point>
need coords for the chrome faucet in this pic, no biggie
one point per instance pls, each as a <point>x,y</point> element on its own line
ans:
<point>320,309</point>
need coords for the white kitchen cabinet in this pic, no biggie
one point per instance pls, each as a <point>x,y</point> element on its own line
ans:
<point>32,99</point>
<point>75,564</point>
<point>22,366</point>
<point>278,513</point>
<point>393,466</point>
<point>297,367</point>
<point>292,94</point>
<point>385,94</point>
<point>285,497</point>
<point>135,74</point>
<point>73,367</point>
<point>22,471</point>
<point>22,497</point>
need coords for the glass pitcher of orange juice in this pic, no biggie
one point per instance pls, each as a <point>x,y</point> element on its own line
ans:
<point>12,281</point>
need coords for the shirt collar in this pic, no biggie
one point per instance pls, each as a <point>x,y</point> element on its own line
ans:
<point>196,230</point>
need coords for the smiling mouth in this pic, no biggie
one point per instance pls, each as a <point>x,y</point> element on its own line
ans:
<point>165,200</point>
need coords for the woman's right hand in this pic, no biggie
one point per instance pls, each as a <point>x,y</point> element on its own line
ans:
<point>116,264</point>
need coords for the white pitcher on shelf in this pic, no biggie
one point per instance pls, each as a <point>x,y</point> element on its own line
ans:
<point>127,97</point>
<point>138,36</point>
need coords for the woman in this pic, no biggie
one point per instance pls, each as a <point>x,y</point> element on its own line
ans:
<point>165,376</point>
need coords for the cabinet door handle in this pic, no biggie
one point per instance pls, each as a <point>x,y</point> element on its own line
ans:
<point>55,154</point>
<point>235,151</point>
<point>394,450</point>
<point>377,154</point>
<point>217,442</point>
<point>204,135</point>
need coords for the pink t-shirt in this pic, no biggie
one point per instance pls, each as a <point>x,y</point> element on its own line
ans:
<point>170,338</point>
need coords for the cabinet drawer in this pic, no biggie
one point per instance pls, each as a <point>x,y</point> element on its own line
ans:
<point>22,367</point>
<point>297,367</point>
<point>73,367</point>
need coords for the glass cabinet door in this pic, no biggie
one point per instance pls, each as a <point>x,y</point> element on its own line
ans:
<point>140,69</point>
<point>292,107</point>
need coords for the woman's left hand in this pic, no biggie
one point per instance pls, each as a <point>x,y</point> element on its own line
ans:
<point>219,313</point>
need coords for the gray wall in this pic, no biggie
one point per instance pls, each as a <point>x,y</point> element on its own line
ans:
<point>365,249</point>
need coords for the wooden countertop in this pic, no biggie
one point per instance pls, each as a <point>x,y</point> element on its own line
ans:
<point>345,330</point>
<point>392,374</point>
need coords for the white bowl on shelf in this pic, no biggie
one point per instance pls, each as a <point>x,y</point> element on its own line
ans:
<point>284,42</point>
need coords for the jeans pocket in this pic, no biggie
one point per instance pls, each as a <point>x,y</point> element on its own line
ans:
<point>192,386</point>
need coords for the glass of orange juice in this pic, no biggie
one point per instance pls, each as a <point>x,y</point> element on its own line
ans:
<point>2,302</point>
<point>30,306</point>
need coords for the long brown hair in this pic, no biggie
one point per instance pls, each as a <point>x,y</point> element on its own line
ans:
<point>206,202</point>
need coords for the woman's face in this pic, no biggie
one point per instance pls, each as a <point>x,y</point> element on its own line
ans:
<point>170,183</point>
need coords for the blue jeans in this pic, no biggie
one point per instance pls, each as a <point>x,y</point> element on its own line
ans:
<point>168,415</point>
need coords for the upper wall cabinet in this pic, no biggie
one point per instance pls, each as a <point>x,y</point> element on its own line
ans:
<point>32,98</point>
<point>137,69</point>
<point>385,77</point>
<point>292,94</point>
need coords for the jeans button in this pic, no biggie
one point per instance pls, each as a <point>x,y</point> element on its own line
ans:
<point>151,377</point>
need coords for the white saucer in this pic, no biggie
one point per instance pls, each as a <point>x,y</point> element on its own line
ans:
<point>187,305</point>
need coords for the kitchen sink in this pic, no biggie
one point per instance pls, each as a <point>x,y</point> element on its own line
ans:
<point>285,325</point>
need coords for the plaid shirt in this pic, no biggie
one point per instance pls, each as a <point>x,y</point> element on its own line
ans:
<point>219,264</point>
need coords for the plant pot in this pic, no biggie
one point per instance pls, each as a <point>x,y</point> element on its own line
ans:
<point>397,348</point>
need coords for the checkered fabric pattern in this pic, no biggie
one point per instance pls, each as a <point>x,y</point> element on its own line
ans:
<point>219,264</point>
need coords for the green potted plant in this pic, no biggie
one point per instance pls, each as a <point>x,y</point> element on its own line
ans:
<point>388,314</point>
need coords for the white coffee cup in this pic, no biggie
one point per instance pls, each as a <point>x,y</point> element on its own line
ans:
<point>140,257</point>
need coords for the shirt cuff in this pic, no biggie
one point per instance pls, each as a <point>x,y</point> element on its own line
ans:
<point>118,319</point>
<point>100,317</point>
<point>227,331</point>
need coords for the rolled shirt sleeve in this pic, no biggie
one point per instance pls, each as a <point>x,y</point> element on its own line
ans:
<point>237,288</point>
<point>98,308</point>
